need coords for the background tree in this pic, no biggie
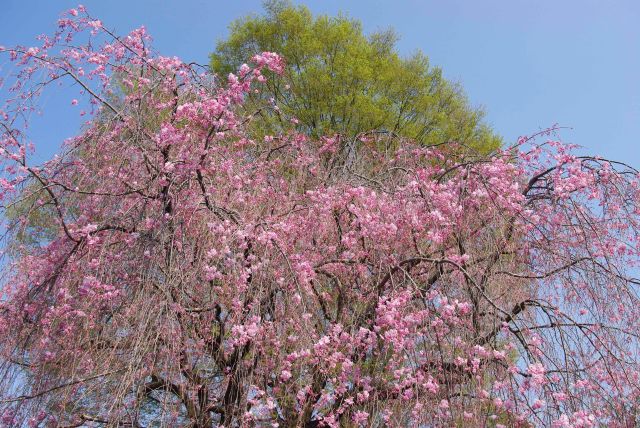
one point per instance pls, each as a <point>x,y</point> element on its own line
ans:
<point>337,80</point>
<point>198,277</point>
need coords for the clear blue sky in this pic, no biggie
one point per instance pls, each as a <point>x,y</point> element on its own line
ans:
<point>529,63</point>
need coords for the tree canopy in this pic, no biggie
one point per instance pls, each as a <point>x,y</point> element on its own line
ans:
<point>338,80</point>
<point>195,276</point>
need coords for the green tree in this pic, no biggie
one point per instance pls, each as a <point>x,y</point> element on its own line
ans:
<point>338,80</point>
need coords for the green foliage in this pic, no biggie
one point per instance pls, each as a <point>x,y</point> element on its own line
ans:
<point>340,81</point>
<point>31,219</point>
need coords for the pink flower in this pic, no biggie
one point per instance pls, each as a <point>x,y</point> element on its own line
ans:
<point>538,404</point>
<point>537,372</point>
<point>96,24</point>
<point>285,375</point>
<point>360,417</point>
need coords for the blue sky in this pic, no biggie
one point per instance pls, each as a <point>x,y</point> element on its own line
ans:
<point>530,64</point>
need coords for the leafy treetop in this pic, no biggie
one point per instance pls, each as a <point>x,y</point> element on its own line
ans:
<point>337,80</point>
